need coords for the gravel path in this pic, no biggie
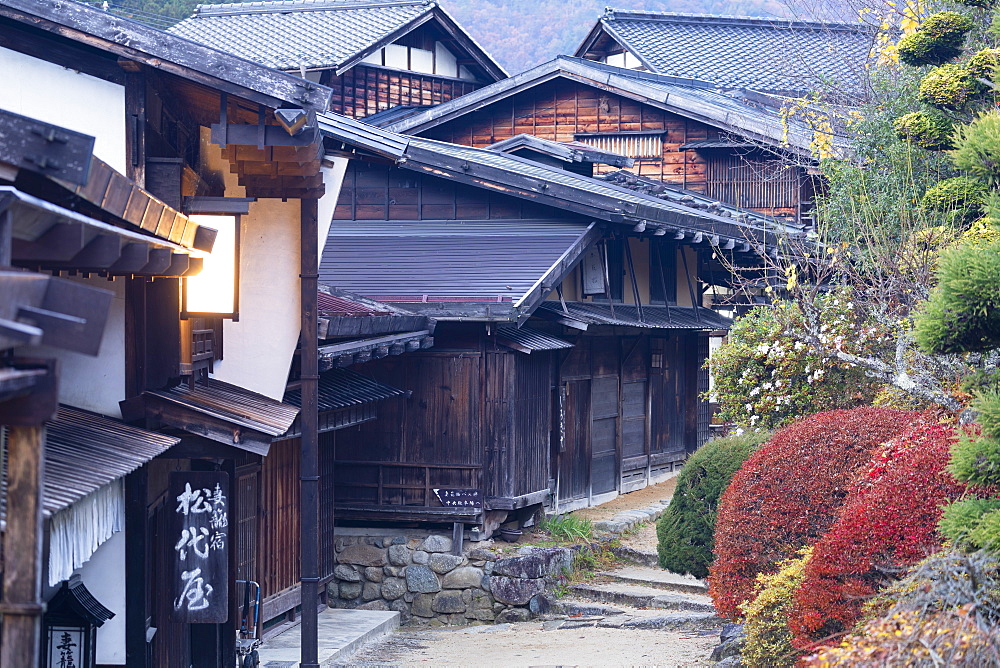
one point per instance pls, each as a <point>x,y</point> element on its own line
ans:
<point>528,644</point>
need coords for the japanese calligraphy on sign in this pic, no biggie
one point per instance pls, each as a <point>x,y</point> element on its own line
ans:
<point>460,498</point>
<point>65,647</point>
<point>200,539</point>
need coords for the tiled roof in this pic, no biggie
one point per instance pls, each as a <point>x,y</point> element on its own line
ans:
<point>747,114</point>
<point>293,34</point>
<point>765,54</point>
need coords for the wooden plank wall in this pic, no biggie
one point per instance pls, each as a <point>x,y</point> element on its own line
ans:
<point>363,91</point>
<point>379,192</point>
<point>560,109</point>
<point>532,410</point>
<point>279,522</point>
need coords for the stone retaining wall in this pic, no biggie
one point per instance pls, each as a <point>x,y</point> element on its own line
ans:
<point>420,578</point>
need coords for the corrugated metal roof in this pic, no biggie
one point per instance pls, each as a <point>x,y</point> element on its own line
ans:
<point>344,388</point>
<point>532,339</point>
<point>286,35</point>
<point>765,54</point>
<point>233,404</point>
<point>653,317</point>
<point>393,114</point>
<point>566,151</point>
<point>84,452</point>
<point>355,134</point>
<point>343,307</point>
<point>614,199</point>
<point>480,260</point>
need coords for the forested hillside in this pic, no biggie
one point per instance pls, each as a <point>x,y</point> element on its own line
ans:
<point>523,33</point>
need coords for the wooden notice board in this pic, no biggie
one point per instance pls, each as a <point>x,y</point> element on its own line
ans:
<point>200,535</point>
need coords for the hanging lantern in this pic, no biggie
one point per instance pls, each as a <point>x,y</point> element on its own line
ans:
<point>70,627</point>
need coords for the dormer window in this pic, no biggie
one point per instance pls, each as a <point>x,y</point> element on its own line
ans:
<point>623,59</point>
<point>439,61</point>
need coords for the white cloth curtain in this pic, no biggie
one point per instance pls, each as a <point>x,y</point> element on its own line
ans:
<point>76,532</point>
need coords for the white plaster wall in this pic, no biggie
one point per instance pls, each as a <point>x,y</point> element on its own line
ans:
<point>64,97</point>
<point>257,350</point>
<point>333,179</point>
<point>94,383</point>
<point>104,576</point>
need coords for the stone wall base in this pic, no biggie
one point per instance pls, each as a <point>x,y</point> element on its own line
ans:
<point>418,577</point>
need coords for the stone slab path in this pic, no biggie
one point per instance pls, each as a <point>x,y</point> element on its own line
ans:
<point>341,633</point>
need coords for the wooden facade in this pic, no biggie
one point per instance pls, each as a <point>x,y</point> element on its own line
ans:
<point>564,110</point>
<point>614,410</point>
<point>364,90</point>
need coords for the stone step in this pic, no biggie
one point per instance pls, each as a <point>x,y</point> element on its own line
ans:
<point>341,633</point>
<point>638,596</point>
<point>632,618</point>
<point>650,559</point>
<point>657,578</point>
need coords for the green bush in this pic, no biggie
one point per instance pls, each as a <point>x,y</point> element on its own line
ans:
<point>983,65</point>
<point>963,312</point>
<point>977,148</point>
<point>925,129</point>
<point>947,87</point>
<point>976,460</point>
<point>938,40</point>
<point>685,531</point>
<point>765,618</point>
<point>979,4</point>
<point>960,519</point>
<point>960,198</point>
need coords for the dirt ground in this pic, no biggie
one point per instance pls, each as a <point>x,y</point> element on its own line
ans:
<point>646,496</point>
<point>528,644</point>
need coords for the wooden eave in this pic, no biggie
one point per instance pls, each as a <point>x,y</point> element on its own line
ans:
<point>162,51</point>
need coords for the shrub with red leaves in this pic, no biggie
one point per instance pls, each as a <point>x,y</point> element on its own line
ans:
<point>788,494</point>
<point>887,523</point>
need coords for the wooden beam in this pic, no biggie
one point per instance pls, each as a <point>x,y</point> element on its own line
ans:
<point>22,607</point>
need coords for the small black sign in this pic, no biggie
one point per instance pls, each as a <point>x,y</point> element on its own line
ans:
<point>200,541</point>
<point>460,498</point>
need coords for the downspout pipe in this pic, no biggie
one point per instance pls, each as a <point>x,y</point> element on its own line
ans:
<point>309,415</point>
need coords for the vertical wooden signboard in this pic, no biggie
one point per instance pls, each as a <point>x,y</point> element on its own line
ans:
<point>200,535</point>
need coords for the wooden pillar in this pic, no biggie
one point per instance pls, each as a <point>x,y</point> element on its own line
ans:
<point>135,569</point>
<point>22,547</point>
<point>309,415</point>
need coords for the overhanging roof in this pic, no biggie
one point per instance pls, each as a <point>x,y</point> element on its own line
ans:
<point>787,56</point>
<point>221,412</point>
<point>85,451</point>
<point>49,236</point>
<point>169,53</point>
<point>528,340</point>
<point>692,98</point>
<point>340,390</point>
<point>315,34</point>
<point>625,315</point>
<point>479,269</point>
<point>343,314</point>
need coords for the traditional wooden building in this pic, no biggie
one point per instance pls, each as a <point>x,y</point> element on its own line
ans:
<point>790,57</point>
<point>736,148</point>
<point>566,365</point>
<point>374,55</point>
<point>197,155</point>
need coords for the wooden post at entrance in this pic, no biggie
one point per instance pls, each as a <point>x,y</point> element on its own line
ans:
<point>22,547</point>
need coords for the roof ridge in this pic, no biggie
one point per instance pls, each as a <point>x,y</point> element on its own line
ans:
<point>611,13</point>
<point>276,6</point>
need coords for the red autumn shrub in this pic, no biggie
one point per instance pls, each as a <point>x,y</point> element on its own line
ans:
<point>788,493</point>
<point>887,523</point>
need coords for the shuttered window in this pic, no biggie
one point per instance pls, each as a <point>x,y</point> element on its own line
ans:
<point>632,144</point>
<point>750,183</point>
